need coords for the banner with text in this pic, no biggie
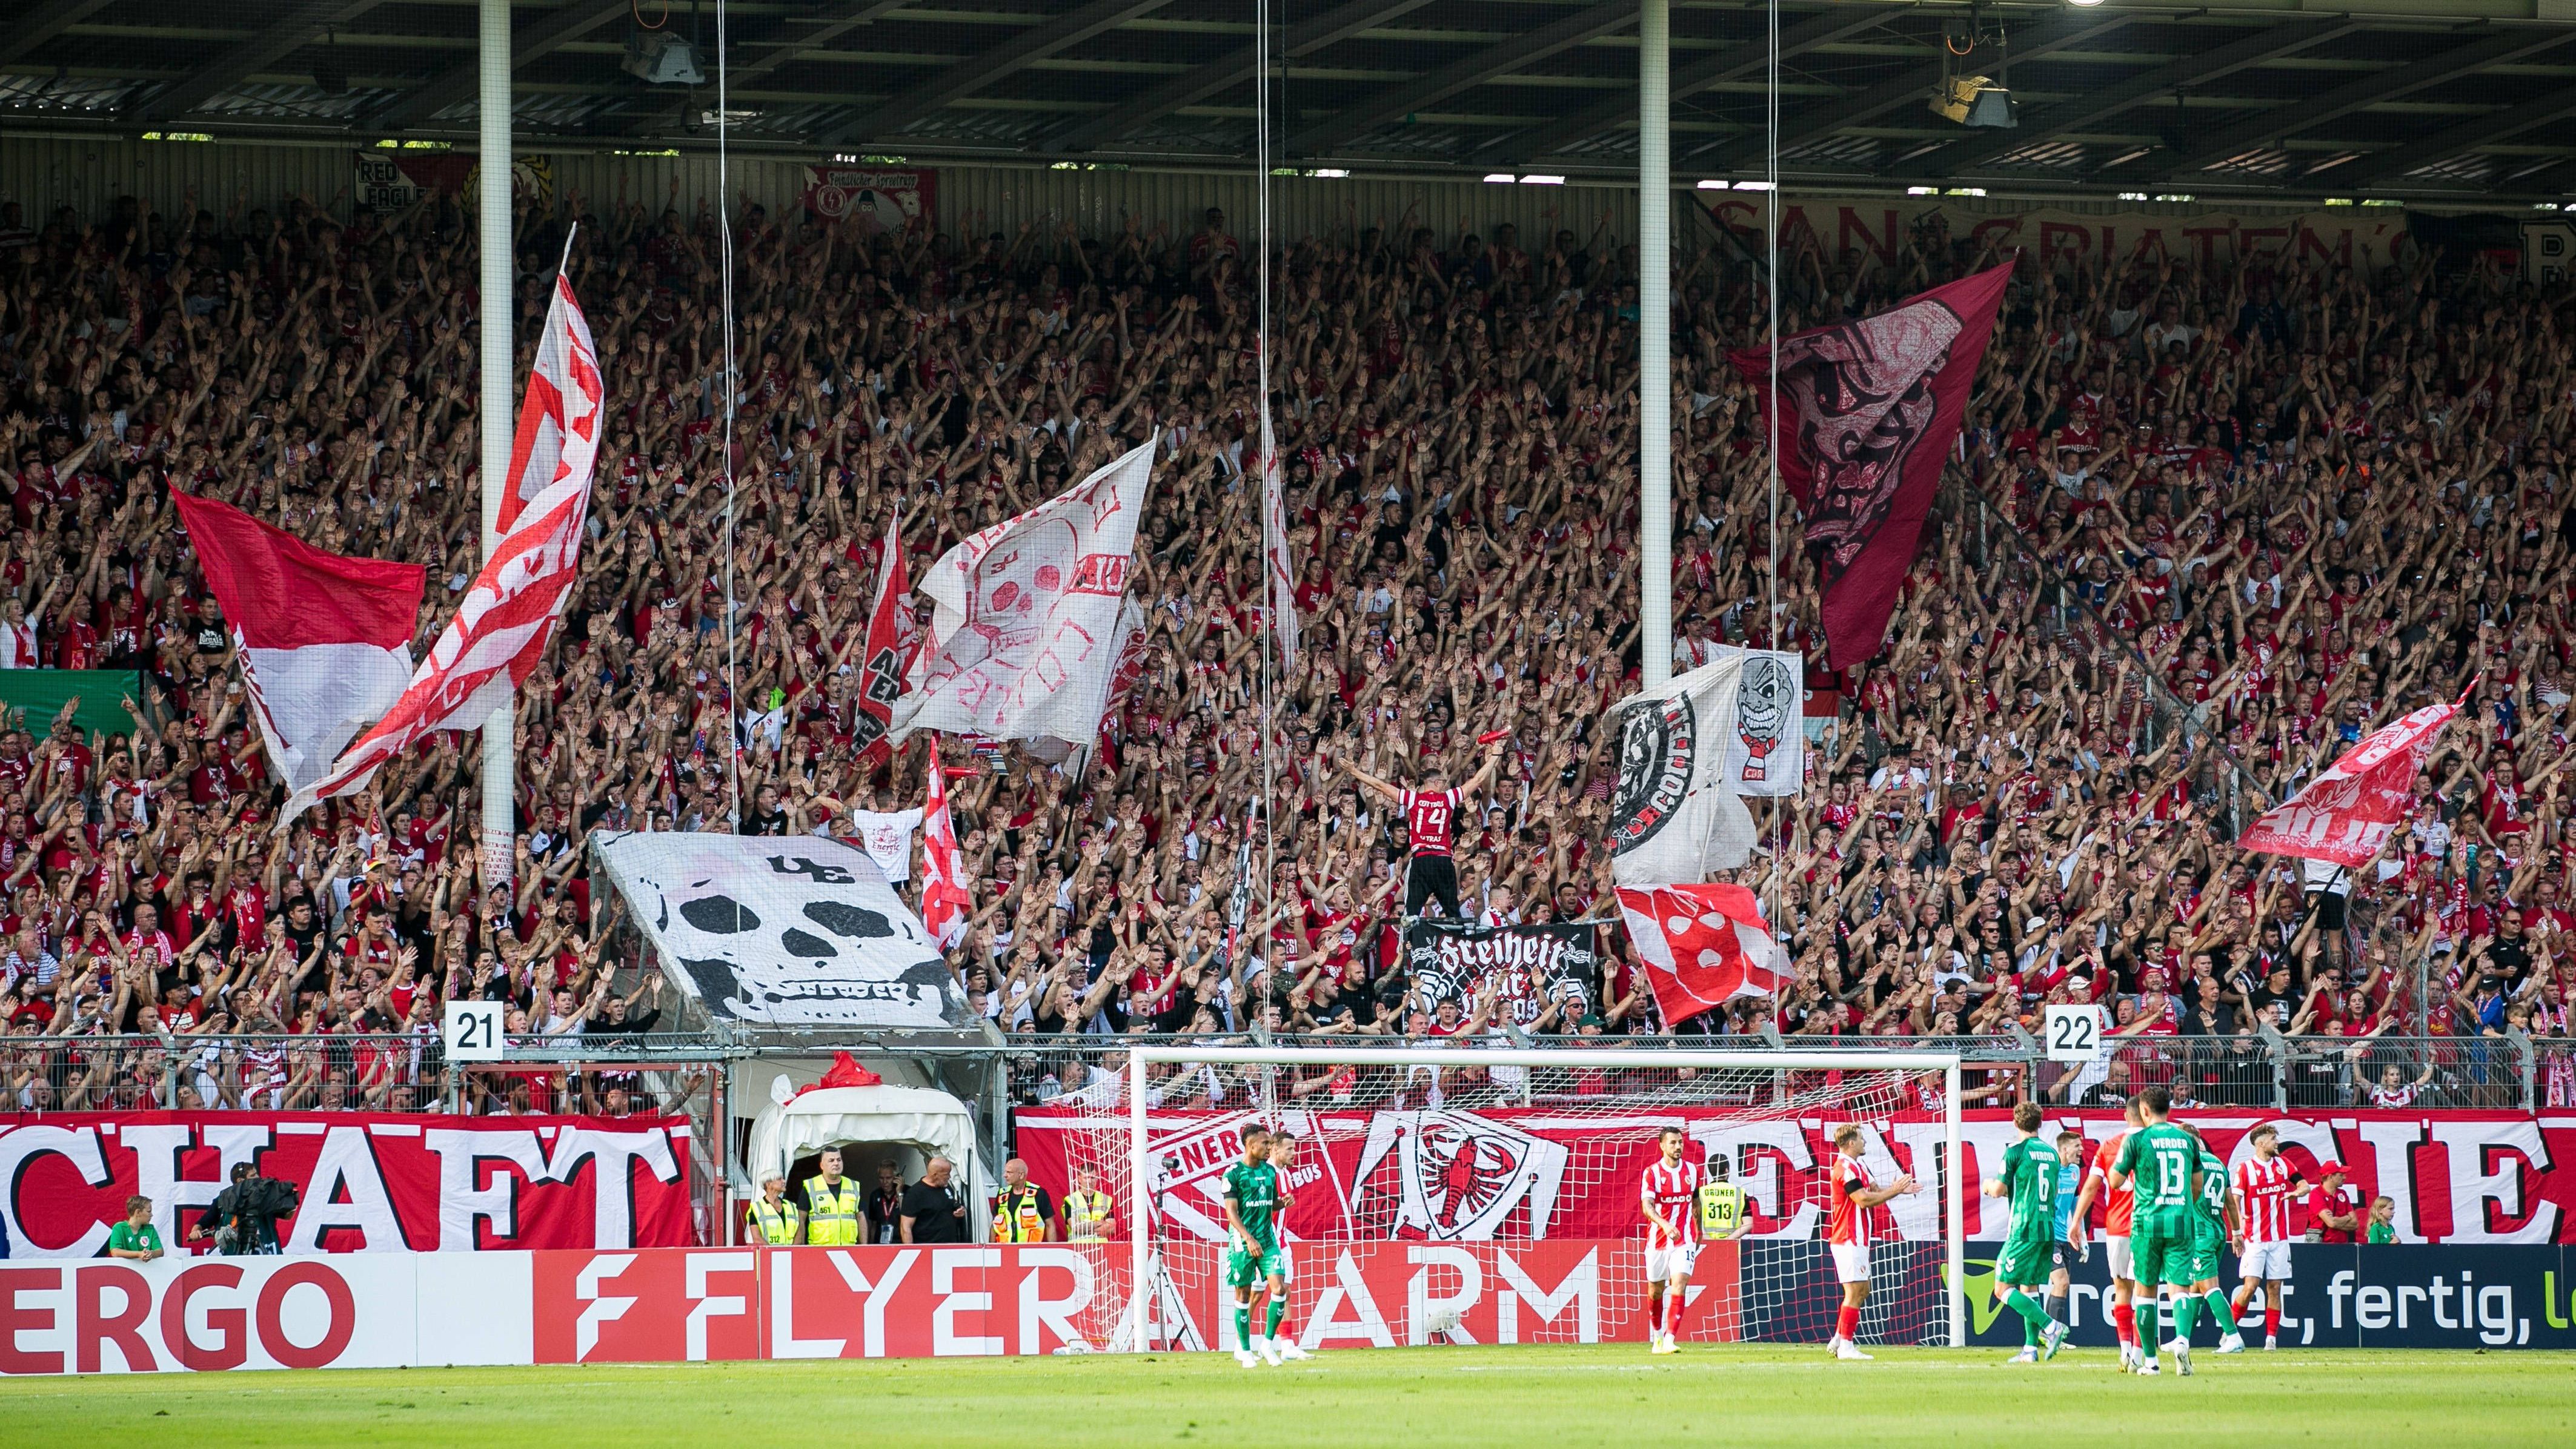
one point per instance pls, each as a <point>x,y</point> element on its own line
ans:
<point>1527,967</point>
<point>2363,236</point>
<point>369,1182</point>
<point>878,198</point>
<point>1426,1171</point>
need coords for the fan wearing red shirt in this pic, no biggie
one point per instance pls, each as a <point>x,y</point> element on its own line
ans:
<point>1847,1231</point>
<point>1430,823</point>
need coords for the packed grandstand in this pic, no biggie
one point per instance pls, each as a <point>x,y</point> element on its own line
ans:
<point>2212,517</point>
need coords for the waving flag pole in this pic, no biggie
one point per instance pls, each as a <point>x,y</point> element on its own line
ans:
<point>507,617</point>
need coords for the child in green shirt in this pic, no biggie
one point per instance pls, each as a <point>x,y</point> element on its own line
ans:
<point>135,1237</point>
<point>2383,1221</point>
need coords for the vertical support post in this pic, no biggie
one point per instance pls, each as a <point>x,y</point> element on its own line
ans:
<point>1140,1218</point>
<point>1655,340</point>
<point>500,814</point>
<point>1955,1239</point>
<point>719,1121</point>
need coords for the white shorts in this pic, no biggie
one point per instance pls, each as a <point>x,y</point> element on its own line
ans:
<point>2267,1261</point>
<point>2118,1246</point>
<point>1663,1265</point>
<point>1851,1262</point>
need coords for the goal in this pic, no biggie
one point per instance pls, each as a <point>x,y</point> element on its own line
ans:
<point>1471,1195</point>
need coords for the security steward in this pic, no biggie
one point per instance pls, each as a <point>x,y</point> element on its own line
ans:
<point>1721,1204</point>
<point>1087,1209</point>
<point>1022,1213</point>
<point>831,1205</point>
<point>772,1219</point>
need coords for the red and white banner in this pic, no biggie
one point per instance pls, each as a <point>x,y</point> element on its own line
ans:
<point>324,640</point>
<point>1703,945</point>
<point>1446,1175</point>
<point>1026,633</point>
<point>681,1305</point>
<point>509,613</point>
<point>369,1182</point>
<point>881,658</point>
<point>2347,814</point>
<point>945,904</point>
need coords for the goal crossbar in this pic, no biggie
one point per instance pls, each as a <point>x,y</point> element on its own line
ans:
<point>1953,1153</point>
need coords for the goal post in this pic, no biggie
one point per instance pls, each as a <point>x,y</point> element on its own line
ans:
<point>1502,1165</point>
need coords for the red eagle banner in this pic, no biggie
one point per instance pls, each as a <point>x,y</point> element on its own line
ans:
<point>2346,814</point>
<point>1873,405</point>
<point>509,614</point>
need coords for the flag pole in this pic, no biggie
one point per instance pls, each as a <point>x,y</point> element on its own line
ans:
<point>1269,590</point>
<point>499,832</point>
<point>1655,340</point>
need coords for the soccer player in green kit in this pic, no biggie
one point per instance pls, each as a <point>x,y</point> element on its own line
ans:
<point>1252,1235</point>
<point>2029,1180</point>
<point>2214,1228</point>
<point>2163,1162</point>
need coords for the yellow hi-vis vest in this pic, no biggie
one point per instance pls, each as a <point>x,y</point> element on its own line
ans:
<point>831,1218</point>
<point>1086,1217</point>
<point>1721,1209</point>
<point>1016,1217</point>
<point>778,1226</point>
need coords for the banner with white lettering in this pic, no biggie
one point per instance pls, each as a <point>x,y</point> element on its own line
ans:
<point>1528,968</point>
<point>367,1182</point>
<point>1381,1149</point>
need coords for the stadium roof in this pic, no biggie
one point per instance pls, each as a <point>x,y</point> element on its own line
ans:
<point>2458,99</point>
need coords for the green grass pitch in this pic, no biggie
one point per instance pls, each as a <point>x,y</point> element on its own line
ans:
<point>1615,1395</point>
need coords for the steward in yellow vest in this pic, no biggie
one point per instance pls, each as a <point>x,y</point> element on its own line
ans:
<point>1022,1213</point>
<point>832,1217</point>
<point>1721,1204</point>
<point>1087,1210</point>
<point>772,1219</point>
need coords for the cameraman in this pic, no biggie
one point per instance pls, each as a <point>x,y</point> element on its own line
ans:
<point>243,1217</point>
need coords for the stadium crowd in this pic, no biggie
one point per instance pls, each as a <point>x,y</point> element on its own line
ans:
<point>2211,521</point>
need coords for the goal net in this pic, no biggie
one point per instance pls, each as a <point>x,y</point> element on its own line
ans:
<point>1481,1196</point>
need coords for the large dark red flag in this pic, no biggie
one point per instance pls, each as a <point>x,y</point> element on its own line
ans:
<point>1873,407</point>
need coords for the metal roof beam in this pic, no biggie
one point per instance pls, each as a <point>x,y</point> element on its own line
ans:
<point>783,51</point>
<point>1234,68</point>
<point>2058,32</point>
<point>1365,115</point>
<point>1731,62</point>
<point>27,34</point>
<point>2270,43</point>
<point>457,82</point>
<point>1039,42</point>
<point>268,43</point>
<point>2497,47</point>
<point>2451,141</point>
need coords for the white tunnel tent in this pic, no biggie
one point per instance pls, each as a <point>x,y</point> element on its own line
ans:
<point>904,1125</point>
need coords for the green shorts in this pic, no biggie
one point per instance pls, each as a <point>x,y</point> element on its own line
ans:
<point>2024,1262</point>
<point>1244,1270</point>
<point>2203,1261</point>
<point>2157,1257</point>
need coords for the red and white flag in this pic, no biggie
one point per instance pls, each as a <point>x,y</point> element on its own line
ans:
<point>1274,544</point>
<point>945,904</point>
<point>1703,945</point>
<point>1025,637</point>
<point>881,660</point>
<point>2346,814</point>
<point>324,641</point>
<point>509,614</point>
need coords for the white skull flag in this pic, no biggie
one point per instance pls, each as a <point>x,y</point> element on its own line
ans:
<point>1765,752</point>
<point>1674,818</point>
<point>1026,638</point>
<point>1868,411</point>
<point>781,930</point>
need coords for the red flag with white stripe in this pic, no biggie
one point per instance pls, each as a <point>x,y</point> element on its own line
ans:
<point>2345,815</point>
<point>324,640</point>
<point>881,659</point>
<point>944,901</point>
<point>509,614</point>
<point>1704,945</point>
